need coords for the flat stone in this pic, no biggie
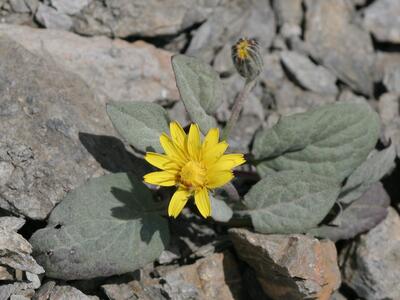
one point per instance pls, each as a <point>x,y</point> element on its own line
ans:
<point>58,137</point>
<point>370,268</point>
<point>19,6</point>
<point>115,70</point>
<point>336,42</point>
<point>70,7</point>
<point>15,252</point>
<point>391,78</point>
<point>66,292</point>
<point>11,223</point>
<point>389,109</point>
<point>151,18</point>
<point>50,18</point>
<point>289,16</point>
<point>384,62</point>
<point>310,76</point>
<point>20,288</point>
<point>290,266</point>
<point>382,19</point>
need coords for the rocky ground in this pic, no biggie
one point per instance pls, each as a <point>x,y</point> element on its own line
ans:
<point>61,61</point>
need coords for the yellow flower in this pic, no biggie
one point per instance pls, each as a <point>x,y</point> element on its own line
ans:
<point>194,167</point>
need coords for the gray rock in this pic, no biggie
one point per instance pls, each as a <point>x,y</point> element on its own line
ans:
<point>384,62</point>
<point>308,75</point>
<point>125,18</point>
<point>70,7</point>
<point>339,44</point>
<point>370,268</point>
<point>15,252</point>
<point>11,223</point>
<point>114,69</point>
<point>289,16</point>
<point>50,18</point>
<point>272,75</point>
<point>389,111</point>
<point>291,99</point>
<point>224,27</point>
<point>19,6</point>
<point>382,19</point>
<point>290,266</point>
<point>19,297</point>
<point>348,96</point>
<point>68,293</point>
<point>391,78</point>
<point>48,138</point>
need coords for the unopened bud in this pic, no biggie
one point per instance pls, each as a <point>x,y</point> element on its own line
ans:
<point>247,58</point>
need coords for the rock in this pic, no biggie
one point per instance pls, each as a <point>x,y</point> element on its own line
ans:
<point>340,45</point>
<point>384,62</point>
<point>6,273</point>
<point>290,266</point>
<point>224,27</point>
<point>272,75</point>
<point>19,297</point>
<point>11,223</point>
<point>214,277</point>
<point>70,7</point>
<point>370,268</point>
<point>291,99</point>
<point>48,137</point>
<point>50,18</point>
<point>126,18</point>
<point>289,16</point>
<point>15,252</point>
<point>382,19</point>
<point>308,75</point>
<point>19,6</point>
<point>114,69</point>
<point>348,96</point>
<point>389,107</point>
<point>52,292</point>
<point>391,78</point>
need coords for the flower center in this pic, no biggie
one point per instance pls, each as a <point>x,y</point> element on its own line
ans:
<point>193,174</point>
<point>243,49</point>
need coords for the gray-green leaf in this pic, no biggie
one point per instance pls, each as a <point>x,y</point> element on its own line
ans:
<point>378,164</point>
<point>331,140</point>
<point>290,201</point>
<point>107,226</point>
<point>200,88</point>
<point>139,123</point>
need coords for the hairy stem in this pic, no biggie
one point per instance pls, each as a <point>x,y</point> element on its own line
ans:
<point>237,107</point>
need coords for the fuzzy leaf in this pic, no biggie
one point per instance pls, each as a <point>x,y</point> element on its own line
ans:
<point>290,201</point>
<point>331,140</point>
<point>139,123</point>
<point>107,226</point>
<point>360,216</point>
<point>220,211</point>
<point>200,88</point>
<point>378,164</point>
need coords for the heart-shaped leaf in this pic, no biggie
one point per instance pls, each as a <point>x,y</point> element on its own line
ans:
<point>331,140</point>
<point>361,215</point>
<point>139,123</point>
<point>378,164</point>
<point>108,226</point>
<point>200,88</point>
<point>290,201</point>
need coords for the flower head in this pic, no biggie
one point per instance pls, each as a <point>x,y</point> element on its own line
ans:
<point>247,58</point>
<point>193,166</point>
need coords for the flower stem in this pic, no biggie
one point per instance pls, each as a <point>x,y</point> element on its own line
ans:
<point>237,107</point>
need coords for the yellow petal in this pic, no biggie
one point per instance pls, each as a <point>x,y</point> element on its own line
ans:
<point>193,143</point>
<point>227,162</point>
<point>202,201</point>
<point>171,150</point>
<point>161,161</point>
<point>214,153</point>
<point>163,178</point>
<point>217,179</point>
<point>178,135</point>
<point>177,202</point>
<point>211,139</point>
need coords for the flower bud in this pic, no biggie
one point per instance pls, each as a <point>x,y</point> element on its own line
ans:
<point>247,58</point>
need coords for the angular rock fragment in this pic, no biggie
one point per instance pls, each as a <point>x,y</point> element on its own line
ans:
<point>51,291</point>
<point>308,75</point>
<point>336,42</point>
<point>391,78</point>
<point>114,69</point>
<point>371,264</point>
<point>290,266</point>
<point>11,223</point>
<point>52,120</point>
<point>289,16</point>
<point>382,19</point>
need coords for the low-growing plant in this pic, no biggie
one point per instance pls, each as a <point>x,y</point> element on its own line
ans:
<point>319,172</point>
